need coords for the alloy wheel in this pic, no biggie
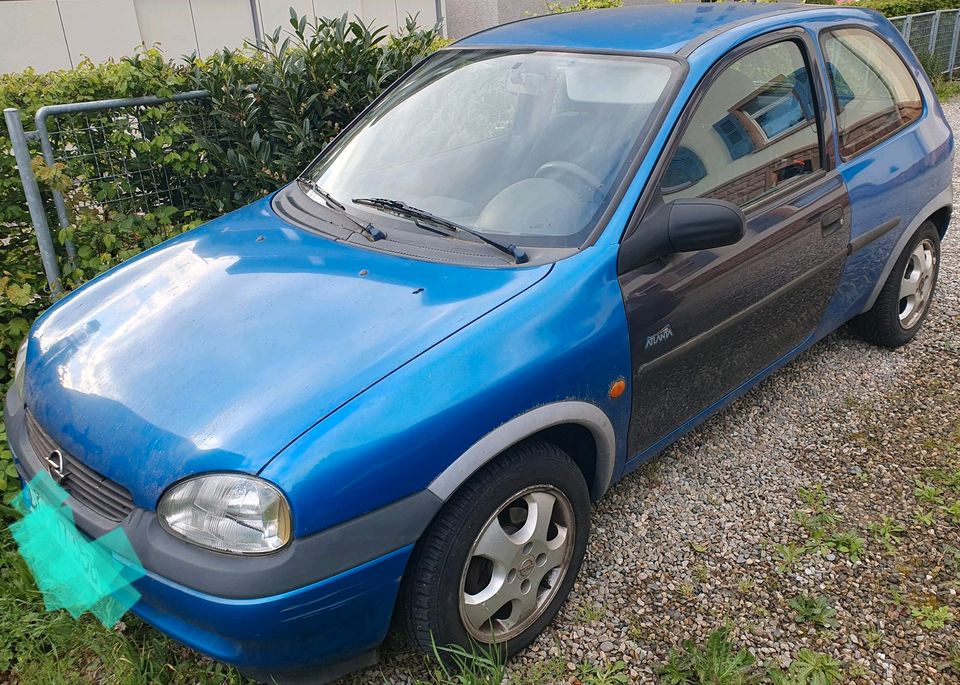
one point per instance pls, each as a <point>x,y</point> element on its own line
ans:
<point>517,564</point>
<point>917,283</point>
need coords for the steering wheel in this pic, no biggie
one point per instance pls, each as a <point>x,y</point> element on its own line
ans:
<point>560,170</point>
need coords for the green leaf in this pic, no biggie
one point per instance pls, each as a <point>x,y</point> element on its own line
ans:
<point>20,295</point>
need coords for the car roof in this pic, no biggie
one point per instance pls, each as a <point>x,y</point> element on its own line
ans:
<point>667,28</point>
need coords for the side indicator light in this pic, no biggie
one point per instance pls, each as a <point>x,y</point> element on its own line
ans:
<point>617,388</point>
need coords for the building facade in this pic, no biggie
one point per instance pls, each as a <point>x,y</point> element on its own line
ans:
<point>58,34</point>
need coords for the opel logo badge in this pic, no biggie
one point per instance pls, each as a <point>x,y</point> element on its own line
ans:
<point>526,567</point>
<point>55,462</point>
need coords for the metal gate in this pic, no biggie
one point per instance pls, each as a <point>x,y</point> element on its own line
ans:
<point>87,133</point>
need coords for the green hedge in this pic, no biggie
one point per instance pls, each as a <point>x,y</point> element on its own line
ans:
<point>563,6</point>
<point>898,8</point>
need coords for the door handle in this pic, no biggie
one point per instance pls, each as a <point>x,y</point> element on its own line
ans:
<point>831,221</point>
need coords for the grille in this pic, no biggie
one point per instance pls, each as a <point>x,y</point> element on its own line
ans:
<point>98,493</point>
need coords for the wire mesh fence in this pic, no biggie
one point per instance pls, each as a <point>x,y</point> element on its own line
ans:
<point>933,36</point>
<point>134,158</point>
<point>131,156</point>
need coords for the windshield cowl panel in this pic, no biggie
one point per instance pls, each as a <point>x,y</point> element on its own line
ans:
<point>403,238</point>
<point>525,148</point>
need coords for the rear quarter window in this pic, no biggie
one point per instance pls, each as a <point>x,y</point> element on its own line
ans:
<point>874,92</point>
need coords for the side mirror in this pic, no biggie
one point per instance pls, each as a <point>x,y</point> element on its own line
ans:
<point>683,225</point>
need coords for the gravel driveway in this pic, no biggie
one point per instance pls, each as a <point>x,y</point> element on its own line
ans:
<point>705,535</point>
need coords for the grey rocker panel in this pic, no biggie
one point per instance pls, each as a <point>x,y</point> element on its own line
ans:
<point>523,426</point>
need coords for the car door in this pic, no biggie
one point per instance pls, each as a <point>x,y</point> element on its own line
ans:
<point>703,323</point>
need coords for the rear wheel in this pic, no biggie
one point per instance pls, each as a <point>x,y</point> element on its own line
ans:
<point>500,558</point>
<point>904,301</point>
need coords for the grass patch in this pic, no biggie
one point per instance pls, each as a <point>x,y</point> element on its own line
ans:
<point>455,665</point>
<point>847,543</point>
<point>590,612</point>
<point>953,511</point>
<point>718,662</point>
<point>605,674</point>
<point>928,493</point>
<point>888,531</point>
<point>788,555</point>
<point>933,617</point>
<point>809,668</point>
<point>545,670</point>
<point>51,647</point>
<point>814,610</point>
<point>946,89</point>
<point>953,659</point>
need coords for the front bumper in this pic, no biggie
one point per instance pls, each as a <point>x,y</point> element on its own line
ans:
<point>311,612</point>
<point>333,625</point>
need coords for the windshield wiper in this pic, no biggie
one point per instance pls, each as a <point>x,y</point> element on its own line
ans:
<point>368,231</point>
<point>422,217</point>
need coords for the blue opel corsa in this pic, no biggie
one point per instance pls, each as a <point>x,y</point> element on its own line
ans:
<point>390,392</point>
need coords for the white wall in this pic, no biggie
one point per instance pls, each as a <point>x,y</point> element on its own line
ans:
<point>39,19</point>
<point>97,29</point>
<point>57,34</point>
<point>221,24</point>
<point>167,24</point>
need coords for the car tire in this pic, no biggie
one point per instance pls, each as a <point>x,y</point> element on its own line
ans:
<point>904,300</point>
<point>464,567</point>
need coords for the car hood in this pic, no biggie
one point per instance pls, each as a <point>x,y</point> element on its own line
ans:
<point>215,350</point>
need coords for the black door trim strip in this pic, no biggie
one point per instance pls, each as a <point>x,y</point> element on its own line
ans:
<point>864,239</point>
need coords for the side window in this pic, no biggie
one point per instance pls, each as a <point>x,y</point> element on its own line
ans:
<point>753,132</point>
<point>874,91</point>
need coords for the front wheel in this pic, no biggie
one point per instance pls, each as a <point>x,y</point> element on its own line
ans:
<point>500,558</point>
<point>905,298</point>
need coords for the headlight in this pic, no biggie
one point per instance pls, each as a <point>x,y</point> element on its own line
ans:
<point>18,368</point>
<point>227,512</point>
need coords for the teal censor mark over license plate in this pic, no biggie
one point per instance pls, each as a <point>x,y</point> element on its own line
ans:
<point>72,571</point>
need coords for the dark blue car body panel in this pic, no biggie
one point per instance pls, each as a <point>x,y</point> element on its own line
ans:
<point>353,379</point>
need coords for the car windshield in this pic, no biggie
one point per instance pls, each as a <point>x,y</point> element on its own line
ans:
<point>524,147</point>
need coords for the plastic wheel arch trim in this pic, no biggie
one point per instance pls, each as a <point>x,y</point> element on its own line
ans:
<point>525,425</point>
<point>943,199</point>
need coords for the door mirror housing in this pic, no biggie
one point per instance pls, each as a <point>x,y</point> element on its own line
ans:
<point>683,225</point>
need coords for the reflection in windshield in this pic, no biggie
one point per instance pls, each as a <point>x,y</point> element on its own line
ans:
<point>529,146</point>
